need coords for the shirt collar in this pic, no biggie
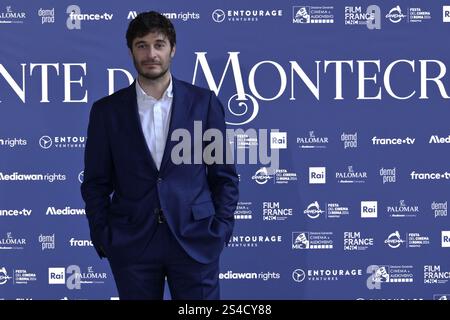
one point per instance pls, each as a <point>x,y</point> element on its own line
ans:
<point>143,96</point>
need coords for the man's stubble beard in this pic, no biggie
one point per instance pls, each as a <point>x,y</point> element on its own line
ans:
<point>150,76</point>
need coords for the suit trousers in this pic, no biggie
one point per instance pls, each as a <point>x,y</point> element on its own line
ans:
<point>163,259</point>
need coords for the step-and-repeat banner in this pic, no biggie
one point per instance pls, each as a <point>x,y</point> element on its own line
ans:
<point>345,102</point>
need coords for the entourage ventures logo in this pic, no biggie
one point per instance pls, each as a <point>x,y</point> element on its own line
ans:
<point>46,142</point>
<point>244,15</point>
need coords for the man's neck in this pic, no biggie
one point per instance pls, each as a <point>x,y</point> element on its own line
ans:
<point>155,88</point>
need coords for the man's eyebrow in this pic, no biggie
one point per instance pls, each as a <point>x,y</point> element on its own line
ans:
<point>139,42</point>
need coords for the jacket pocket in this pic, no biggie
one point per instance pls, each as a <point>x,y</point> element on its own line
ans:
<point>203,210</point>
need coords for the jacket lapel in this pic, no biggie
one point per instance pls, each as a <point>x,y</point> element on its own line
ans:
<point>132,117</point>
<point>182,101</point>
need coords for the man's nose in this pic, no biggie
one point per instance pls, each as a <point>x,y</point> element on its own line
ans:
<point>151,52</point>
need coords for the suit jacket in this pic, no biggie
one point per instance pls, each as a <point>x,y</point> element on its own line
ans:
<point>124,191</point>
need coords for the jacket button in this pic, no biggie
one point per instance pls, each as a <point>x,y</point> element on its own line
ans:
<point>160,180</point>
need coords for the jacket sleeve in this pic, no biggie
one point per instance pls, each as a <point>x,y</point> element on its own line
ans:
<point>223,180</point>
<point>97,185</point>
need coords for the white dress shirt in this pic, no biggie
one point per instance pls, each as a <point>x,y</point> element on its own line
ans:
<point>155,117</point>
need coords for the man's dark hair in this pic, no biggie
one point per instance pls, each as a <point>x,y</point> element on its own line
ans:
<point>147,22</point>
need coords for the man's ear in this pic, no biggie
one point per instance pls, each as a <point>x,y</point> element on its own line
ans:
<point>172,54</point>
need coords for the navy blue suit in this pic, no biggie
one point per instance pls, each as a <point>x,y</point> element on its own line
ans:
<point>197,201</point>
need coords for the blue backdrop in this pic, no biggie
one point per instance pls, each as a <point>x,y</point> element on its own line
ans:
<point>359,94</point>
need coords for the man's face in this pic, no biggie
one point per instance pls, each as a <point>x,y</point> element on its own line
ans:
<point>152,55</point>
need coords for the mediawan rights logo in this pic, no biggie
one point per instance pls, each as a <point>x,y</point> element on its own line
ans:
<point>243,210</point>
<point>231,275</point>
<point>47,142</point>
<point>16,176</point>
<point>67,211</point>
<point>312,14</point>
<point>391,274</point>
<point>179,16</point>
<point>435,139</point>
<point>12,142</point>
<point>75,17</point>
<point>245,15</point>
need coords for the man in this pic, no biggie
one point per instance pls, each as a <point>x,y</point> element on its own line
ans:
<point>164,220</point>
